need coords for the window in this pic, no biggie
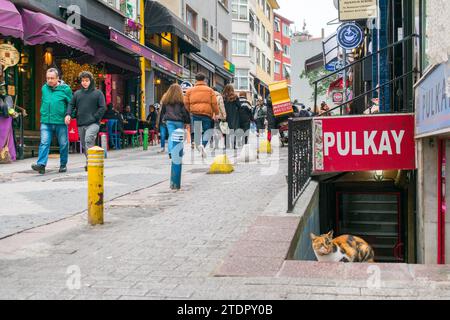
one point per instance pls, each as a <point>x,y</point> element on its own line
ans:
<point>205,29</point>
<point>212,33</point>
<point>277,27</point>
<point>223,46</point>
<point>241,80</point>
<point>286,30</point>
<point>240,10</point>
<point>191,18</point>
<point>267,11</point>
<point>286,71</point>
<point>258,27</point>
<point>252,54</point>
<point>269,66</point>
<point>277,67</point>
<point>240,44</point>
<point>263,32</point>
<point>287,50</point>
<point>258,57</point>
<point>278,47</point>
<point>252,21</point>
<point>268,39</point>
<point>263,61</point>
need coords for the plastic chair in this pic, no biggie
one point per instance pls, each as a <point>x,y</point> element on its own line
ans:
<point>131,130</point>
<point>113,132</point>
<point>74,135</point>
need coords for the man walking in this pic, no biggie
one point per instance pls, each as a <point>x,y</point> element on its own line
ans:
<point>56,96</point>
<point>201,102</point>
<point>88,106</point>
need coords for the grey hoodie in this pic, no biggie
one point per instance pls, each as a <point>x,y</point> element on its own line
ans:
<point>88,106</point>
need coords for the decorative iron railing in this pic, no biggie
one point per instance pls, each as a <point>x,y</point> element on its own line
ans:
<point>300,158</point>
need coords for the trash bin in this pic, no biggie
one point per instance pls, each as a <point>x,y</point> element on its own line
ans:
<point>177,158</point>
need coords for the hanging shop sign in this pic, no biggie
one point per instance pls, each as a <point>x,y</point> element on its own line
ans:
<point>350,36</point>
<point>351,10</point>
<point>9,56</point>
<point>433,102</point>
<point>364,143</point>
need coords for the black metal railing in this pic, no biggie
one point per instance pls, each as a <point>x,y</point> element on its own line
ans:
<point>402,79</point>
<point>300,158</point>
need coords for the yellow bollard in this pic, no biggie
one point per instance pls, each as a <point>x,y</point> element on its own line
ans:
<point>96,156</point>
<point>265,147</point>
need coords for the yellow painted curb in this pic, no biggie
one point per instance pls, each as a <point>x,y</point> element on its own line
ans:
<point>221,165</point>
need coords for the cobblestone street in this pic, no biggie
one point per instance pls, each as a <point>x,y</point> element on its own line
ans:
<point>162,244</point>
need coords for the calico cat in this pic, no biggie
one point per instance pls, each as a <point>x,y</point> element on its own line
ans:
<point>342,249</point>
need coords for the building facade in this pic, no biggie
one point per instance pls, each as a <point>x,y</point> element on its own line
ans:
<point>432,101</point>
<point>253,45</point>
<point>282,49</point>
<point>303,48</point>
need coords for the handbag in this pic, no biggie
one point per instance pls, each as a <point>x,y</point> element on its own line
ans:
<point>224,128</point>
<point>5,155</point>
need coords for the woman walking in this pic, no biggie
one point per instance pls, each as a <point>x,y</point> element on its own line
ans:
<point>245,116</point>
<point>232,106</point>
<point>173,112</point>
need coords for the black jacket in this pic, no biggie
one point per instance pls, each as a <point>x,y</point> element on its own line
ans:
<point>88,106</point>
<point>245,114</point>
<point>232,109</point>
<point>175,112</point>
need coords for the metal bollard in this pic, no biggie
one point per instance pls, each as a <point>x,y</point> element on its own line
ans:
<point>145,142</point>
<point>177,159</point>
<point>95,185</point>
<point>104,144</point>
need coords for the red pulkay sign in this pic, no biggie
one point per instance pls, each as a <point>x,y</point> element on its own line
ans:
<point>379,142</point>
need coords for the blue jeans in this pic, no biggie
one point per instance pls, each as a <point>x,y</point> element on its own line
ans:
<point>172,126</point>
<point>201,124</point>
<point>163,135</point>
<point>62,134</point>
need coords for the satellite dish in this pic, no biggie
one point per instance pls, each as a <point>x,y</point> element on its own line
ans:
<point>336,4</point>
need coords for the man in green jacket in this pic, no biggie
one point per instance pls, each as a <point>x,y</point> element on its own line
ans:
<point>56,96</point>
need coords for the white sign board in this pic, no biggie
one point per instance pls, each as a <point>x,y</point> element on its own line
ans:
<point>351,10</point>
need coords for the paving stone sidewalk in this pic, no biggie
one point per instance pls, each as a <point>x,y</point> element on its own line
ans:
<point>163,244</point>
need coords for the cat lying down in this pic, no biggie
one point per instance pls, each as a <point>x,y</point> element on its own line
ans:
<point>345,248</point>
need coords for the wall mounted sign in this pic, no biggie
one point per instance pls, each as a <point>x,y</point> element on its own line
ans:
<point>433,102</point>
<point>350,36</point>
<point>351,10</point>
<point>364,143</point>
<point>9,56</point>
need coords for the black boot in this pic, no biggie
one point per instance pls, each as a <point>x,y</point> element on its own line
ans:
<point>39,168</point>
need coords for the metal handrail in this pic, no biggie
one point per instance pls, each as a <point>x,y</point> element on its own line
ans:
<point>367,57</point>
<point>360,61</point>
<point>370,91</point>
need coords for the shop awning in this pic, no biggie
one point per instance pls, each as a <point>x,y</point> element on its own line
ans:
<point>40,28</point>
<point>10,20</point>
<point>314,63</point>
<point>202,62</point>
<point>115,57</point>
<point>135,47</point>
<point>159,19</point>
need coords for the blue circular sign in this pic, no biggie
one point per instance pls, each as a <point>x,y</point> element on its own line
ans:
<point>186,85</point>
<point>350,36</point>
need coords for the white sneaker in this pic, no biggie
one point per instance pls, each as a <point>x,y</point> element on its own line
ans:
<point>202,150</point>
<point>162,151</point>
